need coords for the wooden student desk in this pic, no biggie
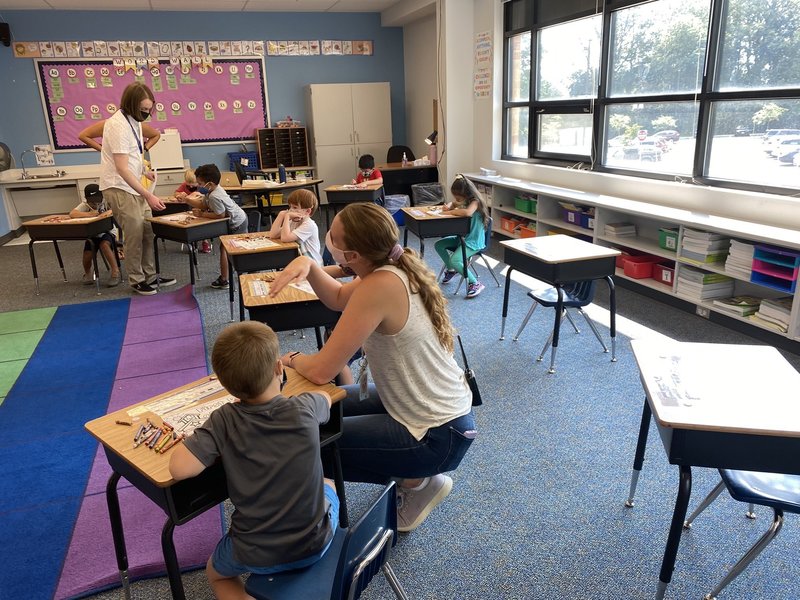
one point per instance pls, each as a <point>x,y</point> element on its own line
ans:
<point>262,189</point>
<point>62,227</point>
<point>339,195</point>
<point>560,259</point>
<point>184,500</point>
<point>292,309</point>
<point>250,252</point>
<point>172,205</point>
<point>428,222</point>
<point>722,406</point>
<point>187,229</point>
<point>398,179</point>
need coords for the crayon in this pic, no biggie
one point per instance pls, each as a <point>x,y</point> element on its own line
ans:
<point>123,422</point>
<point>155,439</point>
<point>139,432</point>
<point>163,442</point>
<point>172,443</point>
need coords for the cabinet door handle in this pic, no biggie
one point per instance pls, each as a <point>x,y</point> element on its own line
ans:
<point>357,138</point>
<point>351,137</point>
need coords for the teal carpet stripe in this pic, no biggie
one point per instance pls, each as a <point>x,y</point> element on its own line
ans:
<point>47,453</point>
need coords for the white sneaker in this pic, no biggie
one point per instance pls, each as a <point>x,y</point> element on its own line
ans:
<point>414,506</point>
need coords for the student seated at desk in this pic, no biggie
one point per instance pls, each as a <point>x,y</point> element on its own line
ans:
<point>187,191</point>
<point>296,224</point>
<point>467,202</point>
<point>217,204</point>
<point>415,423</point>
<point>285,514</point>
<point>93,206</point>
<point>367,173</point>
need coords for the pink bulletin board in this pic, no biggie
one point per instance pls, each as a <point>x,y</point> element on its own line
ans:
<point>222,102</point>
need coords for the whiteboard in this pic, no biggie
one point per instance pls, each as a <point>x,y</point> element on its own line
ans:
<point>224,102</point>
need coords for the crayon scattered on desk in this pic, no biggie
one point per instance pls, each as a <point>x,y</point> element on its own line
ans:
<point>166,438</point>
<point>123,422</point>
<point>174,442</point>
<point>155,439</point>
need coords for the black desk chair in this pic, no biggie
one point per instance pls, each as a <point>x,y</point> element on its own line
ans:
<point>395,154</point>
<point>355,556</point>
<point>576,295</point>
<point>779,492</point>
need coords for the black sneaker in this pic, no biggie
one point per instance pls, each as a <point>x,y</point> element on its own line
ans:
<point>162,281</point>
<point>219,283</point>
<point>144,289</point>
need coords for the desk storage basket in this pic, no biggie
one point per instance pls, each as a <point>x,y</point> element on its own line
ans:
<point>248,160</point>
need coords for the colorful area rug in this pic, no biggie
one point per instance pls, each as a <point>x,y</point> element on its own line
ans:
<point>60,368</point>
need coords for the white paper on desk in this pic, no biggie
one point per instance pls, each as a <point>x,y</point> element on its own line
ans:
<point>186,421</point>
<point>303,286</point>
<point>259,287</point>
<point>78,220</point>
<point>163,407</point>
<point>176,217</point>
<point>253,244</point>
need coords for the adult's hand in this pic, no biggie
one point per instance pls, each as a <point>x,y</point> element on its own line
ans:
<point>154,201</point>
<point>297,270</point>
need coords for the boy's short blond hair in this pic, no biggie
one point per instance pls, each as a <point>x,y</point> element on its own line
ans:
<point>304,199</point>
<point>244,358</point>
<point>189,178</point>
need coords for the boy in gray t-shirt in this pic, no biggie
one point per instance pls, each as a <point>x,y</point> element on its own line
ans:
<point>218,205</point>
<point>285,513</point>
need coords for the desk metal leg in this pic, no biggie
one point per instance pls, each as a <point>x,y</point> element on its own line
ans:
<point>556,330</point>
<point>464,258</point>
<point>117,533</point>
<point>95,249</point>
<point>171,561</point>
<point>338,479</point>
<point>612,305</point>
<point>60,261</point>
<point>675,530</point>
<point>233,278</point>
<point>192,264</point>
<point>33,266</point>
<point>641,446</point>
<point>158,264</point>
<point>422,247</point>
<point>505,303</point>
<point>405,237</point>
<point>318,333</point>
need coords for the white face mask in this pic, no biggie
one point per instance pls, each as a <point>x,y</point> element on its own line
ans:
<point>338,255</point>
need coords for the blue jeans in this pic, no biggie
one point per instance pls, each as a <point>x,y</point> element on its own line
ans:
<point>375,448</point>
<point>227,566</point>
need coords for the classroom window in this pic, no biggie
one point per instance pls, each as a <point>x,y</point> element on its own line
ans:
<point>686,89</point>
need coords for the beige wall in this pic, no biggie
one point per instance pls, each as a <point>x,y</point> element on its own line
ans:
<point>419,48</point>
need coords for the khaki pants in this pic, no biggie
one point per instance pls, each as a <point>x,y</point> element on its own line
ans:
<point>130,212</point>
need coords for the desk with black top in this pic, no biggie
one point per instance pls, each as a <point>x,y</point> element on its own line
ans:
<point>295,307</point>
<point>186,229</point>
<point>557,260</point>
<point>398,179</point>
<point>249,252</point>
<point>339,195</point>
<point>184,500</point>
<point>171,206</point>
<point>62,227</point>
<point>722,406</point>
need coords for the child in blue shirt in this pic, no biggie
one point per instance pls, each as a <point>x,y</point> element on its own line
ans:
<point>467,202</point>
<point>217,204</point>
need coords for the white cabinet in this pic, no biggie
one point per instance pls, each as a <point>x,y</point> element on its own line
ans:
<point>168,180</point>
<point>347,120</point>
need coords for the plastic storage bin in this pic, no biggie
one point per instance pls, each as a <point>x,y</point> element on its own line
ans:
<point>571,216</point>
<point>587,221</point>
<point>527,231</point>
<point>524,204</point>
<point>638,267</point>
<point>664,273</point>
<point>248,160</point>
<point>668,238</point>
<point>427,194</point>
<point>510,224</point>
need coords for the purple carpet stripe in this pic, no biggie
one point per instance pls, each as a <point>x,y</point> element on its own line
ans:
<point>149,364</point>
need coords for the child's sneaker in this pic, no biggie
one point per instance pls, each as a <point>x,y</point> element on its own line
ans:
<point>88,279</point>
<point>219,283</point>
<point>205,247</point>
<point>473,289</point>
<point>448,275</point>
<point>414,506</point>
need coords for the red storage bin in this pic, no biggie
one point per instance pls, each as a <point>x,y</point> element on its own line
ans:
<point>664,274</point>
<point>638,267</point>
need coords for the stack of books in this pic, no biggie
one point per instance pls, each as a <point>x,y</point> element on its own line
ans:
<point>740,259</point>
<point>773,313</point>
<point>621,229</point>
<point>704,247</point>
<point>741,306</point>
<point>698,285</point>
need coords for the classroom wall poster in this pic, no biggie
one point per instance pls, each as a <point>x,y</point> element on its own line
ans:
<point>482,78</point>
<point>219,101</point>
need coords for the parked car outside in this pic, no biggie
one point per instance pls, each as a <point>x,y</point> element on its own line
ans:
<point>741,131</point>
<point>647,150</point>
<point>786,150</point>
<point>776,143</point>
<point>769,137</point>
<point>668,134</point>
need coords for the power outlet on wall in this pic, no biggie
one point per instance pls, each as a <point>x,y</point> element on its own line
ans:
<point>702,311</point>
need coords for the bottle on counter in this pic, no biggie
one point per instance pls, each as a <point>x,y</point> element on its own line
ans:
<point>405,160</point>
<point>281,173</point>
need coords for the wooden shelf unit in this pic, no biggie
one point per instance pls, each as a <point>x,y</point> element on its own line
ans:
<point>282,145</point>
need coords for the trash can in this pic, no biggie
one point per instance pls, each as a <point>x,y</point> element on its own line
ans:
<point>394,202</point>
<point>427,194</point>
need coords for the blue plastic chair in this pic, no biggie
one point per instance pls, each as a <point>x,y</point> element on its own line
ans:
<point>576,295</point>
<point>355,556</point>
<point>779,492</point>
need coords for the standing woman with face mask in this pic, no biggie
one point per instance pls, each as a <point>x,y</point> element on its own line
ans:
<point>415,423</point>
<point>122,168</point>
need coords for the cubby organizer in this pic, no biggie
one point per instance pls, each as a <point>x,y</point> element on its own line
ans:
<point>650,237</point>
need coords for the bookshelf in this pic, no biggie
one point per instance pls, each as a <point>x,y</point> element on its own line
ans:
<point>775,264</point>
<point>287,146</point>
